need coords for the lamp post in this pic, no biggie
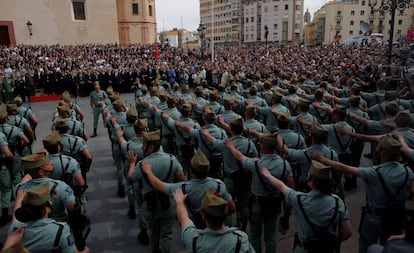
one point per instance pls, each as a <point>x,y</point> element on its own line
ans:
<point>29,27</point>
<point>266,33</point>
<point>202,28</point>
<point>390,6</point>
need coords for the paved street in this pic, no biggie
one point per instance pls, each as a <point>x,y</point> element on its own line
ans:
<point>112,231</point>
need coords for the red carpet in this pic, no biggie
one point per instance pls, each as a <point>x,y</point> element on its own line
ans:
<point>43,98</point>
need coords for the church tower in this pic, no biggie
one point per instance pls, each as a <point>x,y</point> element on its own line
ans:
<point>137,21</point>
<point>307,17</point>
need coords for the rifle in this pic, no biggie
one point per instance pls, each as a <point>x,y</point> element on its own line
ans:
<point>78,222</point>
<point>31,124</point>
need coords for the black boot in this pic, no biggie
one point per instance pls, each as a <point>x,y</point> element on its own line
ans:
<point>143,237</point>
<point>121,191</point>
<point>94,133</point>
<point>131,213</point>
<point>5,217</point>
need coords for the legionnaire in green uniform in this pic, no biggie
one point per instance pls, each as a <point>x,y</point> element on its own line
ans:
<point>158,208</point>
<point>39,168</point>
<point>388,186</point>
<point>265,204</point>
<point>131,117</point>
<point>312,220</point>
<point>117,156</point>
<point>16,120</point>
<point>6,164</point>
<point>97,101</point>
<point>42,234</point>
<point>236,178</point>
<point>195,188</point>
<point>75,127</point>
<point>26,112</point>
<point>76,111</point>
<point>16,140</point>
<point>216,237</point>
<point>65,168</point>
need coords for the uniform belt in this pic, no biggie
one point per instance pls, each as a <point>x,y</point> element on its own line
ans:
<point>115,142</point>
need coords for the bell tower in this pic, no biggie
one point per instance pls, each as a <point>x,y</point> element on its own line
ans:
<point>137,21</point>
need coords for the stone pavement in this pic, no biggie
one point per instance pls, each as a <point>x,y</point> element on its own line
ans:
<point>112,231</point>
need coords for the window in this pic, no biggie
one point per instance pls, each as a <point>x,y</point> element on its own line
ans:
<point>252,19</point>
<point>351,32</point>
<point>150,10</point>
<point>276,8</point>
<point>352,13</point>
<point>351,23</point>
<point>363,2</point>
<point>134,9</point>
<point>286,7</point>
<point>362,13</point>
<point>400,22</point>
<point>79,10</point>
<point>274,26</point>
<point>247,20</point>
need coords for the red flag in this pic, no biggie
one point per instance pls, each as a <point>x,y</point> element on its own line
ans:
<point>156,52</point>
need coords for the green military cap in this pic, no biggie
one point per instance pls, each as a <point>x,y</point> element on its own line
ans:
<point>18,100</point>
<point>284,117</point>
<point>213,94</point>
<point>390,94</point>
<point>3,115</point>
<point>118,102</point>
<point>319,92</point>
<point>320,171</point>
<point>186,87</point>
<point>269,139</point>
<point>38,195</point>
<point>266,85</point>
<point>277,95</point>
<point>171,99</point>
<point>109,90</point>
<point>293,87</point>
<point>204,82</point>
<point>114,97</point>
<point>144,88</point>
<point>251,110</point>
<point>62,102</point>
<point>340,109</point>
<point>176,85</point>
<point>253,89</point>
<point>186,107</point>
<point>140,124</point>
<point>209,114</point>
<point>392,107</point>
<point>228,101</point>
<point>319,131</point>
<point>304,102</point>
<point>354,99</point>
<point>61,123</point>
<point>237,121</point>
<point>214,204</point>
<point>62,109</point>
<point>198,89</point>
<point>34,161</point>
<point>65,96</point>
<point>132,113</point>
<point>390,144</point>
<point>163,95</point>
<point>402,119</point>
<point>153,136</point>
<point>52,140</point>
<point>11,107</point>
<point>199,162</point>
<point>356,86</point>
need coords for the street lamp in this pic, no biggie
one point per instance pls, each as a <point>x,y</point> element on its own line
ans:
<point>266,33</point>
<point>202,28</point>
<point>390,6</point>
<point>29,27</point>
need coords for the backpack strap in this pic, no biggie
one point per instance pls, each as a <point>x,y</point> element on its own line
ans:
<point>297,142</point>
<point>312,225</point>
<point>55,248</point>
<point>343,147</point>
<point>195,238</point>
<point>205,143</point>
<point>239,237</point>
<point>387,191</point>
<point>256,165</point>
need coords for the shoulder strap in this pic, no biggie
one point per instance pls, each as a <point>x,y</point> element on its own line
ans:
<point>238,233</point>
<point>312,225</point>
<point>57,239</point>
<point>339,140</point>
<point>195,238</point>
<point>187,140</point>
<point>297,142</point>
<point>387,190</point>
<point>166,123</point>
<point>205,143</point>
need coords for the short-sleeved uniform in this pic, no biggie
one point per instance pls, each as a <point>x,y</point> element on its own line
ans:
<point>64,164</point>
<point>39,236</point>
<point>97,99</point>
<point>62,196</point>
<point>5,179</point>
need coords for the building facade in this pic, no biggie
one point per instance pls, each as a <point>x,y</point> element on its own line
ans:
<point>69,22</point>
<point>344,19</point>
